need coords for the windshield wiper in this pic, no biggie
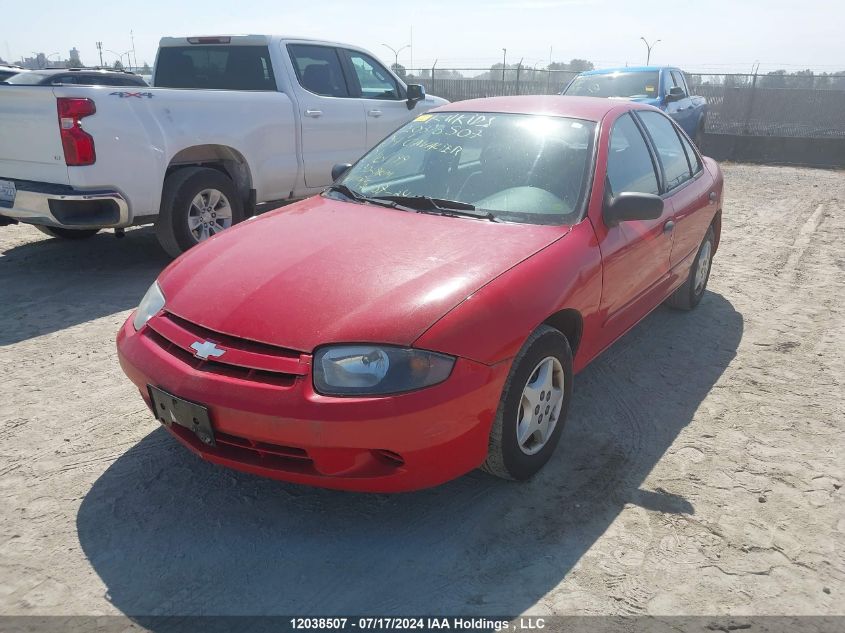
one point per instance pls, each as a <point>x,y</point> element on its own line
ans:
<point>427,204</point>
<point>361,199</point>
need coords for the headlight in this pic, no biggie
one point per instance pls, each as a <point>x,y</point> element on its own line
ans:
<point>152,302</point>
<point>377,369</point>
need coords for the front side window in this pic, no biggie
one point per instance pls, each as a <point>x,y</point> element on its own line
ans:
<point>215,68</point>
<point>318,70</point>
<point>629,164</point>
<point>375,81</point>
<point>669,149</point>
<point>622,84</point>
<point>678,81</point>
<point>521,168</point>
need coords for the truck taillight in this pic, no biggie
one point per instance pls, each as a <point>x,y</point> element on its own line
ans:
<point>76,142</point>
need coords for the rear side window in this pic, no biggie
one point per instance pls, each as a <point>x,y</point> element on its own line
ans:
<point>215,68</point>
<point>629,164</point>
<point>694,162</point>
<point>318,69</point>
<point>60,80</point>
<point>669,149</point>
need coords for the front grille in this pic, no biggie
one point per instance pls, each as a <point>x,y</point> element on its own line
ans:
<point>242,359</point>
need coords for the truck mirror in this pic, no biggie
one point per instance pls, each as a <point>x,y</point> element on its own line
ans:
<point>676,93</point>
<point>415,93</point>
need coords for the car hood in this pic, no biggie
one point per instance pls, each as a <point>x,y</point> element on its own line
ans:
<point>323,271</point>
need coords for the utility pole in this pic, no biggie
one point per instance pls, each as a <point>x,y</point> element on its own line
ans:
<point>396,54</point>
<point>504,62</point>
<point>132,40</point>
<point>648,47</point>
<point>100,50</point>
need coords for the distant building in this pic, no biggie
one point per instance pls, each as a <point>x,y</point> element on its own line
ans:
<point>74,61</point>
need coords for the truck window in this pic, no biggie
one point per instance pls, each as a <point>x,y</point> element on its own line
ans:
<point>679,81</point>
<point>629,164</point>
<point>375,81</point>
<point>621,84</point>
<point>215,68</point>
<point>318,69</point>
<point>668,146</point>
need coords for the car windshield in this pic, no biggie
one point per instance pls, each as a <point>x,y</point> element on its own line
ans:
<point>516,167</point>
<point>634,84</point>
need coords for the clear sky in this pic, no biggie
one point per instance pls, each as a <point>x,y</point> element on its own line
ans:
<point>708,35</point>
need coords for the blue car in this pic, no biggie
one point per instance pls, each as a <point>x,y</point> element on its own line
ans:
<point>664,87</point>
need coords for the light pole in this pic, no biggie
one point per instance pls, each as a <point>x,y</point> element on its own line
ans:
<point>648,47</point>
<point>504,62</point>
<point>100,50</point>
<point>396,54</point>
<point>50,55</point>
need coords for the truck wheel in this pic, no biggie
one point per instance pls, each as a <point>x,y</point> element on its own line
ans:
<point>689,294</point>
<point>533,407</point>
<point>67,234</point>
<point>196,204</point>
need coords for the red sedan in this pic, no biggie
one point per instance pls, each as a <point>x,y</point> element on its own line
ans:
<point>426,314</point>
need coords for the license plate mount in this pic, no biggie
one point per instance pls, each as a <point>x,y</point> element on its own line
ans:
<point>170,409</point>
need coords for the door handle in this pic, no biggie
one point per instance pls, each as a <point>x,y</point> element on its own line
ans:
<point>713,197</point>
<point>374,113</point>
<point>669,226</point>
<point>314,114</point>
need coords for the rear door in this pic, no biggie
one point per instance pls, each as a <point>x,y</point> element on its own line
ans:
<point>687,186</point>
<point>383,98</point>
<point>332,121</point>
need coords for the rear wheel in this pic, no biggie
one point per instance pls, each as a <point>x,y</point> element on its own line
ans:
<point>67,234</point>
<point>533,407</point>
<point>689,294</point>
<point>196,204</point>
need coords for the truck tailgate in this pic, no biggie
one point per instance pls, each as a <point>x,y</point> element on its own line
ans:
<point>30,145</point>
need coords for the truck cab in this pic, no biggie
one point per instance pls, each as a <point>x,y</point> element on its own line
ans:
<point>664,87</point>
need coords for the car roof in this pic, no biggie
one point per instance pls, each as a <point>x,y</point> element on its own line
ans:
<point>628,69</point>
<point>586,108</point>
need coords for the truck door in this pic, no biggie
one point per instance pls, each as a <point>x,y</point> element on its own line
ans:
<point>681,110</point>
<point>332,123</point>
<point>382,97</point>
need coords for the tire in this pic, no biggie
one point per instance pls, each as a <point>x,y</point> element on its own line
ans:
<point>186,199</point>
<point>67,234</point>
<point>507,457</point>
<point>689,294</point>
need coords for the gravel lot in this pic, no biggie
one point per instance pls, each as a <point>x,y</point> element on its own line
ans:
<point>700,471</point>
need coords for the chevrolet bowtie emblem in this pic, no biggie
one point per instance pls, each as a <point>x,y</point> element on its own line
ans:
<point>206,349</point>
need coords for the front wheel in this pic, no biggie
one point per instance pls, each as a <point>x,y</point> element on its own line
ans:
<point>196,204</point>
<point>689,294</point>
<point>533,408</point>
<point>67,234</point>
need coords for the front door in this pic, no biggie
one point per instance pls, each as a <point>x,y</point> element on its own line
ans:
<point>332,122</point>
<point>635,254</point>
<point>382,97</point>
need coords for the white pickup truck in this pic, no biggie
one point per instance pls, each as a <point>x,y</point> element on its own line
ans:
<point>230,122</point>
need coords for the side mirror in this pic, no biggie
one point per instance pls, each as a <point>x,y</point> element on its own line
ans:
<point>415,93</point>
<point>339,170</point>
<point>632,206</point>
<point>676,93</point>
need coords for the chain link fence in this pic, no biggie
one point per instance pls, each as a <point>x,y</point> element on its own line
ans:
<point>799,105</point>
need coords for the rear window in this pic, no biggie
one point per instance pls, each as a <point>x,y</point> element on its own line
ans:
<point>215,68</point>
<point>26,79</point>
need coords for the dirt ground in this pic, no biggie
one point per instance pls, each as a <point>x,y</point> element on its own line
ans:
<point>700,471</point>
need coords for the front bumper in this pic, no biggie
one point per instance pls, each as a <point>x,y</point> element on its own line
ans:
<point>63,206</point>
<point>289,432</point>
